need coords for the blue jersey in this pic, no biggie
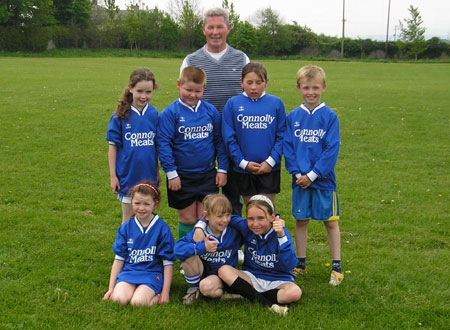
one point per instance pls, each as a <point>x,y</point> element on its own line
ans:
<point>134,138</point>
<point>311,145</point>
<point>226,254</point>
<point>268,256</point>
<point>145,251</point>
<point>253,130</point>
<point>189,139</point>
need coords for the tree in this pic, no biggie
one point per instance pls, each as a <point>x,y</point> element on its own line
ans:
<point>412,33</point>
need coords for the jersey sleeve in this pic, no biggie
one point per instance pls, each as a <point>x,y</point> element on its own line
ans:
<point>165,139</point>
<point>286,252</point>
<point>165,249</point>
<point>114,131</point>
<point>221,154</point>
<point>229,134</point>
<point>120,245</point>
<point>239,224</point>
<point>185,247</point>
<point>277,150</point>
<point>328,158</point>
<point>289,147</point>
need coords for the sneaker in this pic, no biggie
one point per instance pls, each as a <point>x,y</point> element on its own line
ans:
<point>241,256</point>
<point>181,270</point>
<point>191,295</point>
<point>231,296</point>
<point>299,271</point>
<point>281,310</point>
<point>336,278</point>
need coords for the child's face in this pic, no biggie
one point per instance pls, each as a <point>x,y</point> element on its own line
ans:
<point>311,90</point>
<point>143,206</point>
<point>190,92</point>
<point>218,222</point>
<point>259,221</point>
<point>253,85</point>
<point>142,93</point>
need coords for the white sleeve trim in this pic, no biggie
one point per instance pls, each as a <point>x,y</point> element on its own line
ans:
<point>117,257</point>
<point>271,161</point>
<point>111,143</point>
<point>312,176</point>
<point>243,164</point>
<point>282,240</point>
<point>222,171</point>
<point>298,175</point>
<point>172,174</point>
<point>167,263</point>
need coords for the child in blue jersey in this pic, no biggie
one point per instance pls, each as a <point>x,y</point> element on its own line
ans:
<point>142,270</point>
<point>201,257</point>
<point>266,276</point>
<point>131,136</point>
<point>253,125</point>
<point>311,147</point>
<point>189,142</point>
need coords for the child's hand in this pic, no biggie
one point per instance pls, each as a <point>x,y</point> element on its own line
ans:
<point>221,179</point>
<point>158,179</point>
<point>114,183</point>
<point>278,226</point>
<point>108,294</point>
<point>163,298</point>
<point>175,184</point>
<point>303,182</point>
<point>252,167</point>
<point>264,168</point>
<point>210,245</point>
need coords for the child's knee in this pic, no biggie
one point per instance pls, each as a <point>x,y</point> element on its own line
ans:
<point>291,294</point>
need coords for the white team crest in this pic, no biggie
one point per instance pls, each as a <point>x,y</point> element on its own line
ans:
<point>130,241</point>
<point>298,211</point>
<point>253,241</point>
<point>182,119</point>
<point>128,126</point>
<point>241,108</point>
<point>296,124</point>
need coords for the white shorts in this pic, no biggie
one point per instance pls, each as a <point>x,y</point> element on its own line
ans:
<point>124,199</point>
<point>261,285</point>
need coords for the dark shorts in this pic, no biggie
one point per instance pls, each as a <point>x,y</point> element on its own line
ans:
<point>250,184</point>
<point>207,271</point>
<point>194,187</point>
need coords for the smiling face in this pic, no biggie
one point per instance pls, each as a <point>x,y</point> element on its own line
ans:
<point>143,206</point>
<point>311,90</point>
<point>258,220</point>
<point>216,32</point>
<point>253,85</point>
<point>190,92</point>
<point>142,93</point>
<point>218,222</point>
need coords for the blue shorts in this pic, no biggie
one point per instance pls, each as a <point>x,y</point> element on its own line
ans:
<point>315,204</point>
<point>153,280</point>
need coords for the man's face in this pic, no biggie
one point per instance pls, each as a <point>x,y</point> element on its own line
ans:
<point>216,32</point>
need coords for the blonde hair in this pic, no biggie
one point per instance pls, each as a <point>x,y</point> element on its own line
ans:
<point>192,74</point>
<point>216,204</point>
<point>311,72</point>
<point>263,203</point>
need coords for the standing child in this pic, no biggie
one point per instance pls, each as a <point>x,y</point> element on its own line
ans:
<point>201,258</point>
<point>131,135</point>
<point>189,140</point>
<point>252,129</point>
<point>266,275</point>
<point>311,147</point>
<point>142,270</point>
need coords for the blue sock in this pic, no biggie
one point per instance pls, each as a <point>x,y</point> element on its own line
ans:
<point>301,262</point>
<point>336,265</point>
<point>193,281</point>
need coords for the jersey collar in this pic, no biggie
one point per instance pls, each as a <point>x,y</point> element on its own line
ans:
<point>193,109</point>
<point>138,223</point>
<point>304,107</point>
<point>142,112</point>
<point>246,95</point>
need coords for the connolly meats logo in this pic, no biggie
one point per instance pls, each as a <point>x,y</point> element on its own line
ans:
<point>140,139</point>
<point>196,132</point>
<point>309,135</point>
<point>265,260</point>
<point>255,122</point>
<point>147,254</point>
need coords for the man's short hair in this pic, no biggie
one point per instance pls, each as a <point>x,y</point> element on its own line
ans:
<point>213,12</point>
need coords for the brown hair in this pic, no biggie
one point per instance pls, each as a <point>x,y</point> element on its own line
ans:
<point>311,72</point>
<point>262,205</point>
<point>147,188</point>
<point>125,101</point>
<point>192,74</point>
<point>216,204</point>
<point>255,67</point>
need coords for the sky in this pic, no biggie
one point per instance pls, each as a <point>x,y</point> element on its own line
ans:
<point>363,18</point>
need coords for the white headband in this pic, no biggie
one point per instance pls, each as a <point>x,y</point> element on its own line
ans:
<point>264,199</point>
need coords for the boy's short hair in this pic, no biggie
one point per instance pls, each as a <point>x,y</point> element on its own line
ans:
<point>216,204</point>
<point>213,12</point>
<point>193,74</point>
<point>311,72</point>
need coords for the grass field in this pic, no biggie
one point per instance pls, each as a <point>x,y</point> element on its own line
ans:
<point>58,218</point>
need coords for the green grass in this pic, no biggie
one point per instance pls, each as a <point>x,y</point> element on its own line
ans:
<point>58,218</point>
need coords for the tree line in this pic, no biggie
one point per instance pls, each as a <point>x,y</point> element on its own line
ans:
<point>34,25</point>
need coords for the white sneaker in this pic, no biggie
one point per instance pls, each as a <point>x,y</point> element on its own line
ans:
<point>241,256</point>
<point>191,295</point>
<point>280,310</point>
